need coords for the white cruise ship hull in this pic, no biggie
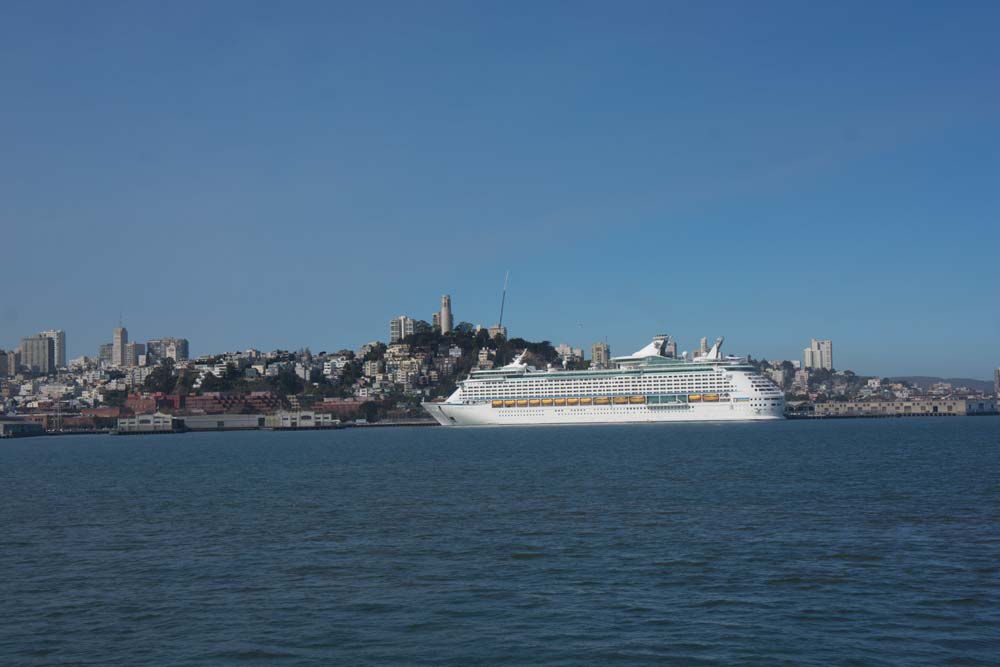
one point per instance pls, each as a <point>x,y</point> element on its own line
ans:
<point>458,414</point>
<point>646,387</point>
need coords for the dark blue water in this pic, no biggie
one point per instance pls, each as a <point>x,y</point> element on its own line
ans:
<point>867,542</point>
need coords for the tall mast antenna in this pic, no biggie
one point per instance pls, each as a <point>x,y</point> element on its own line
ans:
<point>503,299</point>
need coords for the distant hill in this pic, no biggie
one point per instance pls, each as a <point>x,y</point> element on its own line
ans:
<point>925,381</point>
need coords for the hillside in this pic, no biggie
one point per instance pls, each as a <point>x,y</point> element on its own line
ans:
<point>925,381</point>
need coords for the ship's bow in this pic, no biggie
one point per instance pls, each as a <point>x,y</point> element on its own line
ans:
<point>436,411</point>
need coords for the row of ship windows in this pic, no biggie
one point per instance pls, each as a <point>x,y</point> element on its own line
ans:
<point>606,400</point>
<point>708,385</point>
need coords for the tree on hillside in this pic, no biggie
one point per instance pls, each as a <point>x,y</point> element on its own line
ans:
<point>210,382</point>
<point>162,378</point>
<point>114,397</point>
<point>376,353</point>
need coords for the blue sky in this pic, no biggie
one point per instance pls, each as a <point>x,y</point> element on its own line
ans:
<point>247,174</point>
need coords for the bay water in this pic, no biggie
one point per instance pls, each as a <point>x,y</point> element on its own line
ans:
<point>841,542</point>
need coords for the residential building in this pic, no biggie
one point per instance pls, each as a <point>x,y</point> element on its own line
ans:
<point>13,362</point>
<point>399,328</point>
<point>119,339</point>
<point>497,330</point>
<point>58,337</point>
<point>600,355</point>
<point>446,319</point>
<point>703,346</point>
<point>106,354</point>
<point>38,354</point>
<point>801,380</point>
<point>3,364</point>
<point>436,321</point>
<point>819,354</point>
<point>567,353</point>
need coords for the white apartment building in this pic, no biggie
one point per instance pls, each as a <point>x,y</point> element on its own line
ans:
<point>819,354</point>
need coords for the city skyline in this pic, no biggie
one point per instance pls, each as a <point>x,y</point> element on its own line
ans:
<point>772,174</point>
<point>687,345</point>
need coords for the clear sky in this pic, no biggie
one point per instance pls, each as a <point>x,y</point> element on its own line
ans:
<point>294,174</point>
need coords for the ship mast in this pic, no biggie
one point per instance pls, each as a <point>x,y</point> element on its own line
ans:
<point>503,300</point>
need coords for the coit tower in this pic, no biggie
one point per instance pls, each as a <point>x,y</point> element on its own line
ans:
<point>446,321</point>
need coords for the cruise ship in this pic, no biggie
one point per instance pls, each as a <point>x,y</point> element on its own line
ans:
<point>648,386</point>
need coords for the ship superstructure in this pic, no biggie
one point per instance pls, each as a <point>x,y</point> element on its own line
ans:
<point>647,386</point>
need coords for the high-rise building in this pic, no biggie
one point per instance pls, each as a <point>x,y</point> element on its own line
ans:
<point>168,348</point>
<point>600,355</point>
<point>58,337</point>
<point>436,320</point>
<point>38,354</point>
<point>819,354</point>
<point>996,382</point>
<point>106,354</point>
<point>178,349</point>
<point>119,339</point>
<point>133,351</point>
<point>3,364</point>
<point>446,320</point>
<point>399,328</point>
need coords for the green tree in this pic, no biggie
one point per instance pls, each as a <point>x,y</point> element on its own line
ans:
<point>376,353</point>
<point>286,382</point>
<point>162,378</point>
<point>114,397</point>
<point>210,382</point>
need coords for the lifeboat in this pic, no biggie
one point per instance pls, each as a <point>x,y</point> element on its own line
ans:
<point>694,398</point>
<point>546,401</point>
<point>497,404</point>
<point>601,400</point>
<point>711,398</point>
<point>572,401</point>
<point>522,403</point>
<point>636,399</point>
<point>586,401</point>
<point>560,401</point>
<point>534,402</point>
<point>620,400</point>
<point>509,404</point>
